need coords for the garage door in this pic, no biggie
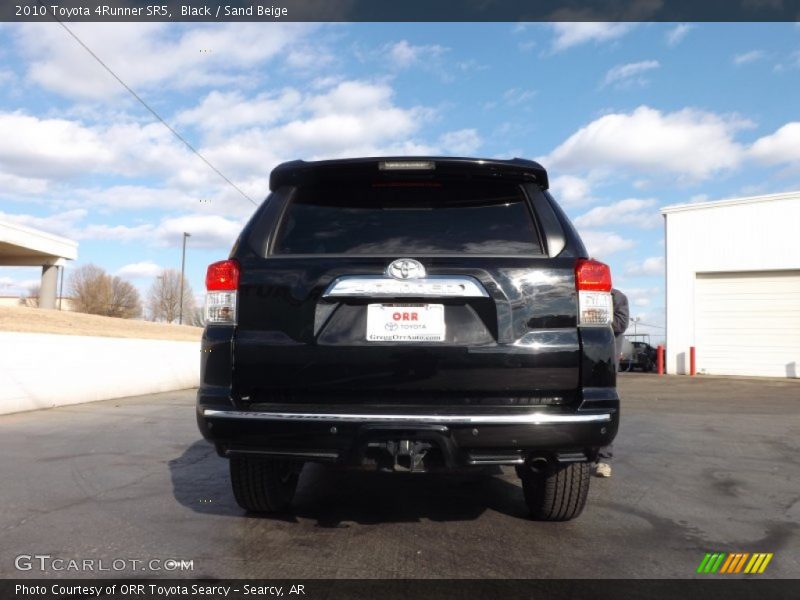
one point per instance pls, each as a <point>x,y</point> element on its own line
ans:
<point>748,323</point>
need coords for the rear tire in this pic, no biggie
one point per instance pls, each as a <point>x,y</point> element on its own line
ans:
<point>557,494</point>
<point>264,485</point>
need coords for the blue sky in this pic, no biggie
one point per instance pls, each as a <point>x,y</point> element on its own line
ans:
<point>627,118</point>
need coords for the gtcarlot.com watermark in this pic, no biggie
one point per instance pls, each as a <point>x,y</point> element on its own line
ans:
<point>46,562</point>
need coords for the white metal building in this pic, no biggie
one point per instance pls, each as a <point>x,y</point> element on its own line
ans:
<point>733,286</point>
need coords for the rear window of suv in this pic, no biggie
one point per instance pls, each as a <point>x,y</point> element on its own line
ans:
<point>409,218</point>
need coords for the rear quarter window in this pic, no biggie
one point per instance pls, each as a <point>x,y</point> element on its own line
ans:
<point>409,218</point>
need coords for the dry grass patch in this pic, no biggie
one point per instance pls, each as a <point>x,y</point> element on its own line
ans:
<point>34,320</point>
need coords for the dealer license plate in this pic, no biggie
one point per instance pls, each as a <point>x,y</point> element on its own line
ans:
<point>405,323</point>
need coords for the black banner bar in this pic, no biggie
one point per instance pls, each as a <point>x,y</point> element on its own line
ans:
<point>717,588</point>
<point>401,10</point>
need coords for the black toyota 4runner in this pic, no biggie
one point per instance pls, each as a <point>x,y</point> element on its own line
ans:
<point>409,314</point>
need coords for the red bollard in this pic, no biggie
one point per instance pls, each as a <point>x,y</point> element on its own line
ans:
<point>660,359</point>
<point>692,370</point>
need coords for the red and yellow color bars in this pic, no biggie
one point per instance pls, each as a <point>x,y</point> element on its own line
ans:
<point>735,562</point>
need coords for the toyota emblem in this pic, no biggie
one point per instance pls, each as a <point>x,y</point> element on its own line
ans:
<point>405,268</point>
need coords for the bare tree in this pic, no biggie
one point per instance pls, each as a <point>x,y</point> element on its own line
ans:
<point>96,292</point>
<point>89,287</point>
<point>124,300</point>
<point>163,299</point>
<point>31,299</point>
<point>197,318</point>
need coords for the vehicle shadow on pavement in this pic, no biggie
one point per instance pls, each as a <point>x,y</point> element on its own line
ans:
<point>333,496</point>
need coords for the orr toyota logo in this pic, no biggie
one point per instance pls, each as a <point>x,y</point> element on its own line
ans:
<point>405,268</point>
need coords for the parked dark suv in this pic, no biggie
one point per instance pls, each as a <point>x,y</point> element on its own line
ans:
<point>409,314</point>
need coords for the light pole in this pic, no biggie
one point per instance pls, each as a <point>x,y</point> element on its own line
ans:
<point>635,321</point>
<point>183,267</point>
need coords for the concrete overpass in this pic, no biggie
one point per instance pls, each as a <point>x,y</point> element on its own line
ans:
<point>22,246</point>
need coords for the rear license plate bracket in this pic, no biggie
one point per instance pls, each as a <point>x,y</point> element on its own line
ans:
<point>405,323</point>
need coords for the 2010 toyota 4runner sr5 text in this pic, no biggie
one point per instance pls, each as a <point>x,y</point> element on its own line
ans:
<point>409,314</point>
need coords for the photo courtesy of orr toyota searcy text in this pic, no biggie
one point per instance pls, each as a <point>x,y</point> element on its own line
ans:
<point>162,591</point>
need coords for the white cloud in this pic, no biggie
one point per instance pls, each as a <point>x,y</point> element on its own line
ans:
<point>140,270</point>
<point>135,197</point>
<point>517,96</point>
<point>43,148</point>
<point>225,111</point>
<point>350,97</point>
<point>207,231</point>
<point>781,147</point>
<point>150,55</point>
<point>352,118</point>
<point>601,244</point>
<point>403,55</point>
<point>568,35</point>
<point>325,82</point>
<point>792,62</point>
<point>512,97</point>
<point>749,57</point>
<point>632,211</point>
<point>33,147</point>
<point>690,143</point>
<point>243,137</point>
<point>640,297</point>
<point>570,190</point>
<point>676,34</point>
<point>309,58</point>
<point>628,74</point>
<point>467,66</point>
<point>652,266</point>
<point>13,184</point>
<point>61,223</point>
<point>117,233</point>
<point>463,142</point>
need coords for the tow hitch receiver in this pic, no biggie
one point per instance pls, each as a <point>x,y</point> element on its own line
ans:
<point>402,455</point>
<point>397,447</point>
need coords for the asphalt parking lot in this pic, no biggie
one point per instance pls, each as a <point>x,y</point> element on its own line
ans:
<point>703,464</point>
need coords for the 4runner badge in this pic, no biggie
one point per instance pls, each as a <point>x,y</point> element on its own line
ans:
<point>405,268</point>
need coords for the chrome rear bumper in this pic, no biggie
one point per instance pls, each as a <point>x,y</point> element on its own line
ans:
<point>534,418</point>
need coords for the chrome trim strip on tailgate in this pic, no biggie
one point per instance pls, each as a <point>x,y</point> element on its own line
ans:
<point>536,418</point>
<point>437,286</point>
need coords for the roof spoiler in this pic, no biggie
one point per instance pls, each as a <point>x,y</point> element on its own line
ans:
<point>299,172</point>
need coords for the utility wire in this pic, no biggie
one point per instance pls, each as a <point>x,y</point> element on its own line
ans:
<point>153,112</point>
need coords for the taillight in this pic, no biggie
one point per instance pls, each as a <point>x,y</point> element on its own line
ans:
<point>223,275</point>
<point>222,281</point>
<point>593,281</point>
<point>592,276</point>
